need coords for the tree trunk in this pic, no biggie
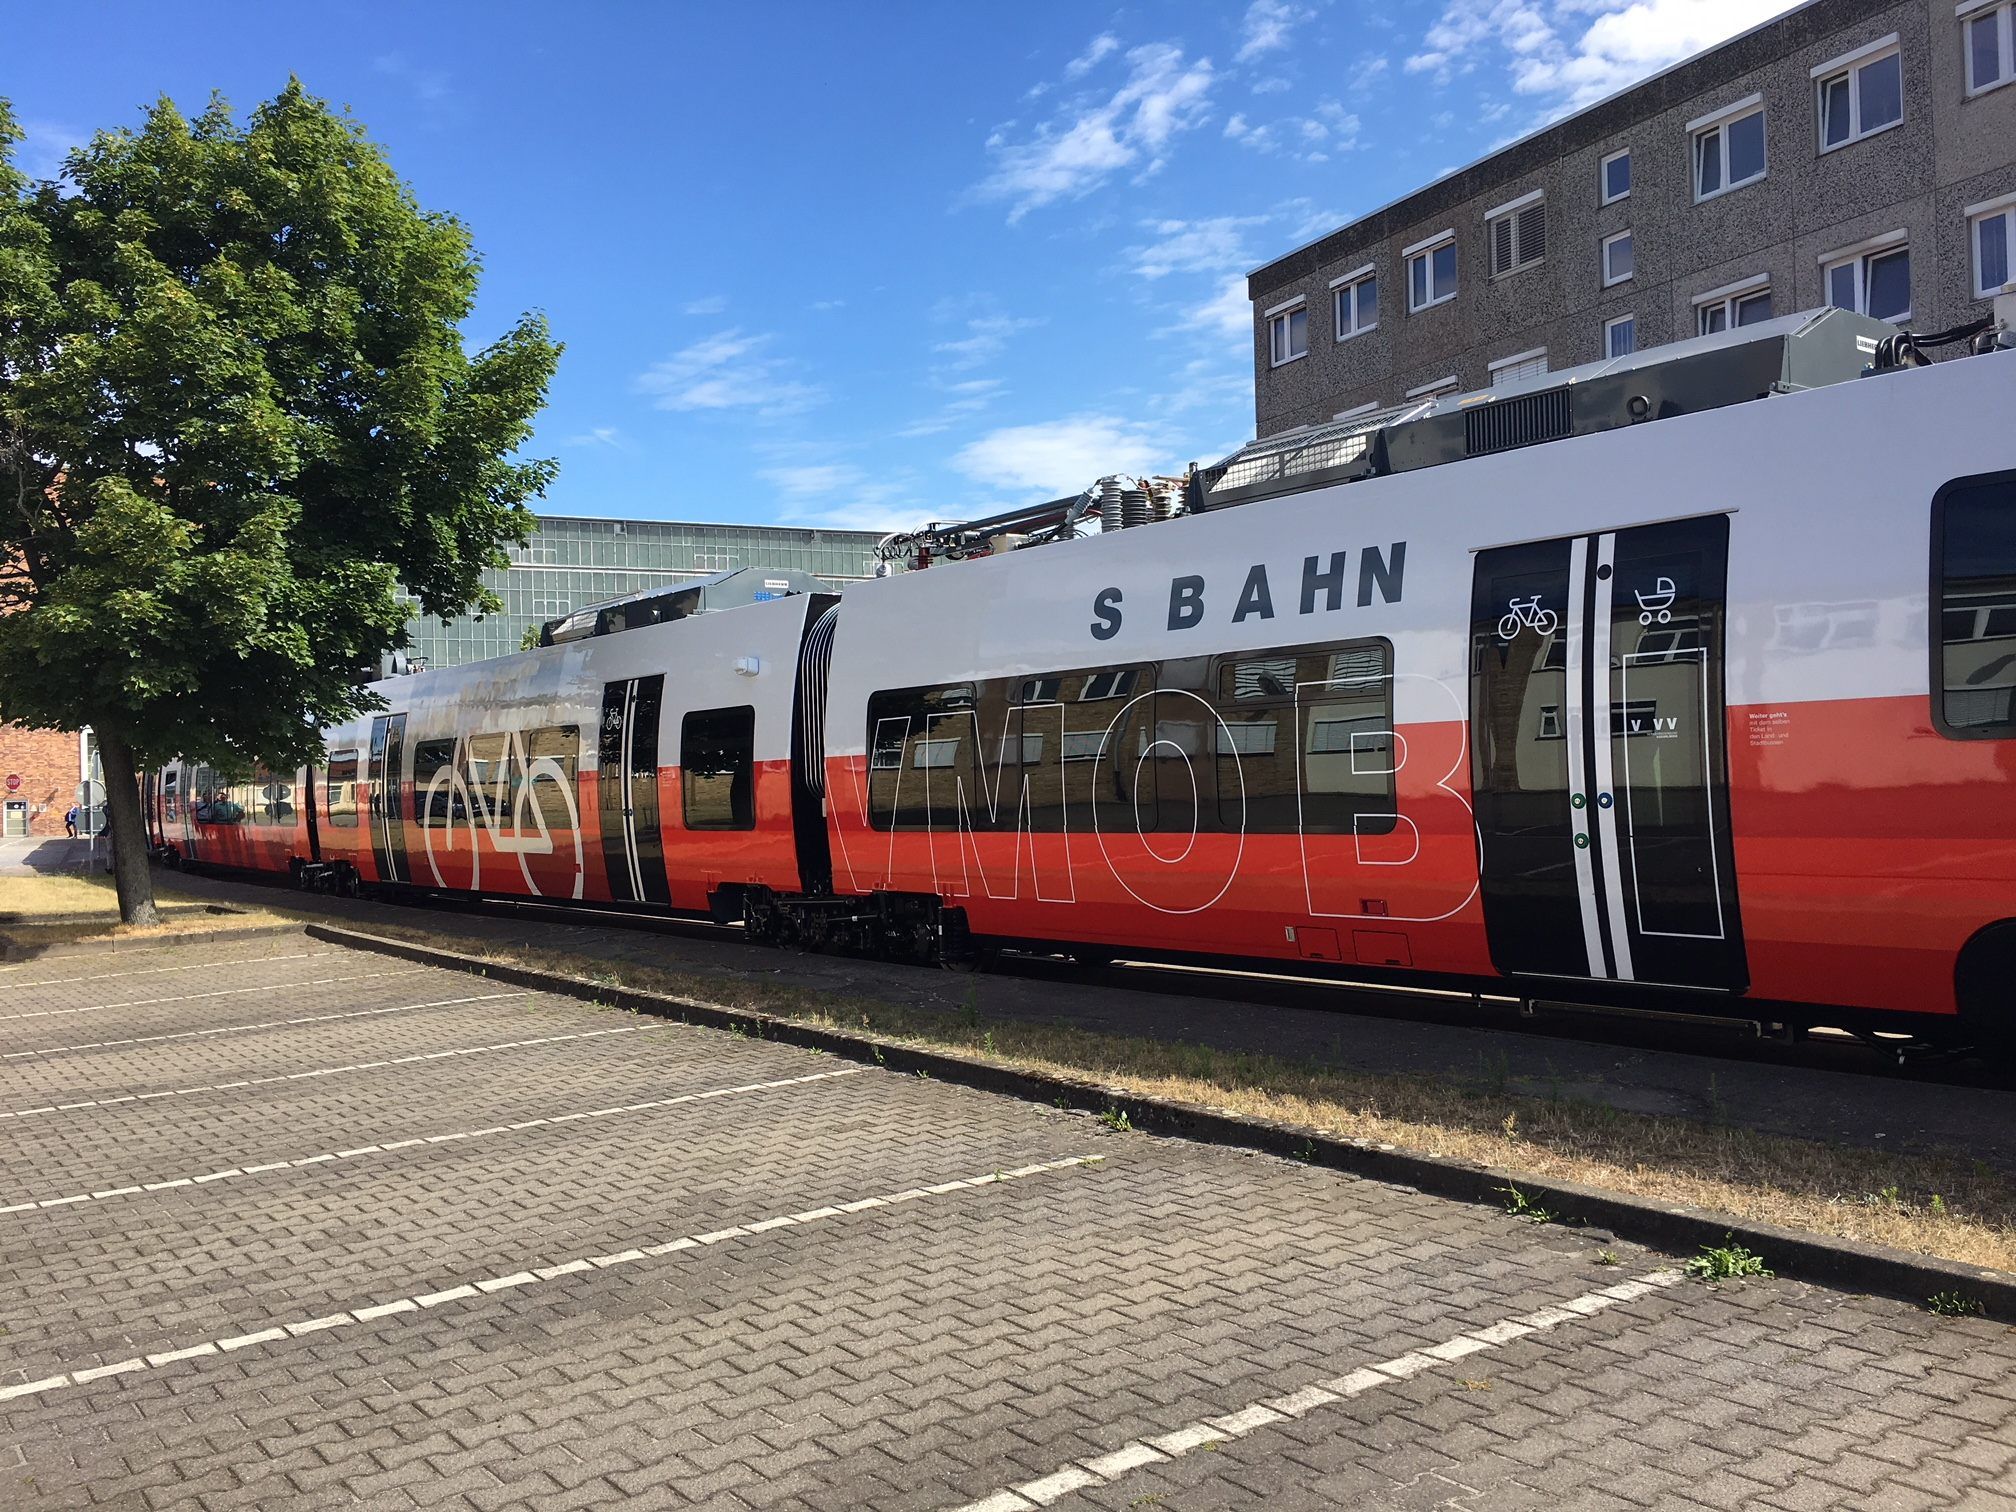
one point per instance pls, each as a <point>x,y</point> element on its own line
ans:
<point>129,830</point>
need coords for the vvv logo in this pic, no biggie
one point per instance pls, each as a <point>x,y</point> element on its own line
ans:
<point>508,803</point>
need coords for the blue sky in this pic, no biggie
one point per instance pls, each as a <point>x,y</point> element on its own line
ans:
<point>868,264</point>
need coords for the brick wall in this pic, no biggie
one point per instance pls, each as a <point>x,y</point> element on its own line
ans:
<point>46,763</point>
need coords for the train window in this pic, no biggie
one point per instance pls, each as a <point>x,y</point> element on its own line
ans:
<point>434,810</point>
<point>1974,579</point>
<point>717,768</point>
<point>1305,740</point>
<point>170,791</point>
<point>341,790</point>
<point>275,796</point>
<point>926,743</point>
<point>547,750</point>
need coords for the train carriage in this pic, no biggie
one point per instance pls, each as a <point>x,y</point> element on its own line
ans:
<point>1691,685</point>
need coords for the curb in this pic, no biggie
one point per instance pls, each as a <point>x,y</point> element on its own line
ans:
<point>15,955</point>
<point>1839,1263</point>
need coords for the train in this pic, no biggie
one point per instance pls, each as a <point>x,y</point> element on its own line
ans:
<point>1684,682</point>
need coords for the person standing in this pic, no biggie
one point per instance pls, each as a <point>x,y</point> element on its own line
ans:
<point>70,822</point>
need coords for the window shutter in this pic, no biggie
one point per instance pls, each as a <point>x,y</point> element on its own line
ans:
<point>1501,245</point>
<point>1532,236</point>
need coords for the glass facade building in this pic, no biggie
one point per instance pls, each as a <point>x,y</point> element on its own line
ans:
<point>571,562</point>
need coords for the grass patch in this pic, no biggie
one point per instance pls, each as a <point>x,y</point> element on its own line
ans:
<point>1927,1202</point>
<point>59,909</point>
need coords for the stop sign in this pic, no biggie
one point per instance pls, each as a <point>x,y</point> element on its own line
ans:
<point>13,782</point>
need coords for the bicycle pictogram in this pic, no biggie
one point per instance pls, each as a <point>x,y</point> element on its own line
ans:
<point>1526,613</point>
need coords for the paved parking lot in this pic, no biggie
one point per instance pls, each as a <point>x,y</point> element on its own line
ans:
<point>283,1225</point>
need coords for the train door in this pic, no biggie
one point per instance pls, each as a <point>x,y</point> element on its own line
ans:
<point>633,848</point>
<point>1599,756</point>
<point>387,769</point>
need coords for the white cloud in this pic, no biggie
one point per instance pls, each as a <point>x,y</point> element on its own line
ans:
<point>727,371</point>
<point>1100,46</point>
<point>1549,52</point>
<point>844,497</point>
<point>1202,246</point>
<point>1059,457</point>
<point>828,304</point>
<point>1091,138</point>
<point>44,146</point>
<point>1329,128</point>
<point>601,435</point>
<point>969,398</point>
<point>713,304</point>
<point>1266,29</point>
<point>1227,314</point>
<point>985,339</point>
<point>1272,84</point>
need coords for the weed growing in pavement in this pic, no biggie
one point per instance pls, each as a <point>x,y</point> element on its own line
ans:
<point>922,1074</point>
<point>1889,1196</point>
<point>1718,1110</point>
<point>1115,1119</point>
<point>1937,1206</point>
<point>1511,1124</point>
<point>1727,1261</point>
<point>987,1042</point>
<point>969,1010</point>
<point>1953,1304</point>
<point>1307,1153</point>
<point>1497,1071</point>
<point>1607,1257</point>
<point>879,1060</point>
<point>1519,1205</point>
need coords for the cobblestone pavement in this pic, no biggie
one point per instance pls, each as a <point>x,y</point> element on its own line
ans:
<point>283,1225</point>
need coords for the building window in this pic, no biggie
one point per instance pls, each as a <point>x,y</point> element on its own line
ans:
<point>1728,148</point>
<point>1370,406</point>
<point>1430,390</point>
<point>1992,230</point>
<point>1525,365</point>
<point>1618,265</point>
<point>1991,46</point>
<point>1616,176</point>
<point>1288,334</point>
<point>1518,233</point>
<point>1974,534</point>
<point>1431,271</point>
<point>1861,93</point>
<point>1620,336</point>
<point>1355,299</point>
<point>1741,306</point>
<point>1871,279</point>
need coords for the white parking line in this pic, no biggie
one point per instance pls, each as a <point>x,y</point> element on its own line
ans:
<point>190,997</point>
<point>211,965</point>
<point>409,1307</point>
<point>313,1018</point>
<point>1103,1469</point>
<point>229,1172</point>
<point>267,1081</point>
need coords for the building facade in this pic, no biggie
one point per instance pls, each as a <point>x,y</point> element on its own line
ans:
<point>1851,152</point>
<point>573,561</point>
<point>39,774</point>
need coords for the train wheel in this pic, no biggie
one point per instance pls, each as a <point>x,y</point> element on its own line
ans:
<point>1984,981</point>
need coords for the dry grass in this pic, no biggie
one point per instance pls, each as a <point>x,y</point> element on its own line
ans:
<point>60,909</point>
<point>1930,1203</point>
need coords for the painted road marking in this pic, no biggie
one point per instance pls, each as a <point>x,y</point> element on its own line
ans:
<point>190,997</point>
<point>407,1307</point>
<point>1106,1468</point>
<point>313,1018</point>
<point>267,1081</point>
<point>108,1193</point>
<point>212,965</point>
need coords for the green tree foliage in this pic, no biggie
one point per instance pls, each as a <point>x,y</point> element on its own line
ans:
<point>236,411</point>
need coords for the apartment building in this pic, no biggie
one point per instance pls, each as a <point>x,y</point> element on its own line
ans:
<point>1851,152</point>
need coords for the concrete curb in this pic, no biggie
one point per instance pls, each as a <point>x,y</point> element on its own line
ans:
<point>1840,1263</point>
<point>15,955</point>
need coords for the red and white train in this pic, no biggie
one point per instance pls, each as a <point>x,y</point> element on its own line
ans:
<point>1690,682</point>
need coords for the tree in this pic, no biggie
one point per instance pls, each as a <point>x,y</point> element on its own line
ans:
<point>236,412</point>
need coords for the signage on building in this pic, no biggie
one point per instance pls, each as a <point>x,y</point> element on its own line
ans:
<point>13,782</point>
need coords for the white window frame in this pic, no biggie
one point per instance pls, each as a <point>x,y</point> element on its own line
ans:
<point>1347,287</point>
<point>1603,177</point>
<point>1729,295</point>
<point>1610,281</point>
<point>1427,247</point>
<point>1505,369</point>
<point>1515,212</point>
<point>1356,410</point>
<point>1859,256</point>
<point>1850,65</point>
<point>1720,121</point>
<point>2003,208</point>
<point>1278,316</point>
<point>1443,385</point>
<point>2004,14</point>
<point>1611,325</point>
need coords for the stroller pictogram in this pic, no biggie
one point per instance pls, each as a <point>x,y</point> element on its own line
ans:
<point>1659,602</point>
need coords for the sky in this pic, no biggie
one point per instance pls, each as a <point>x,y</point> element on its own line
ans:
<point>870,264</point>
